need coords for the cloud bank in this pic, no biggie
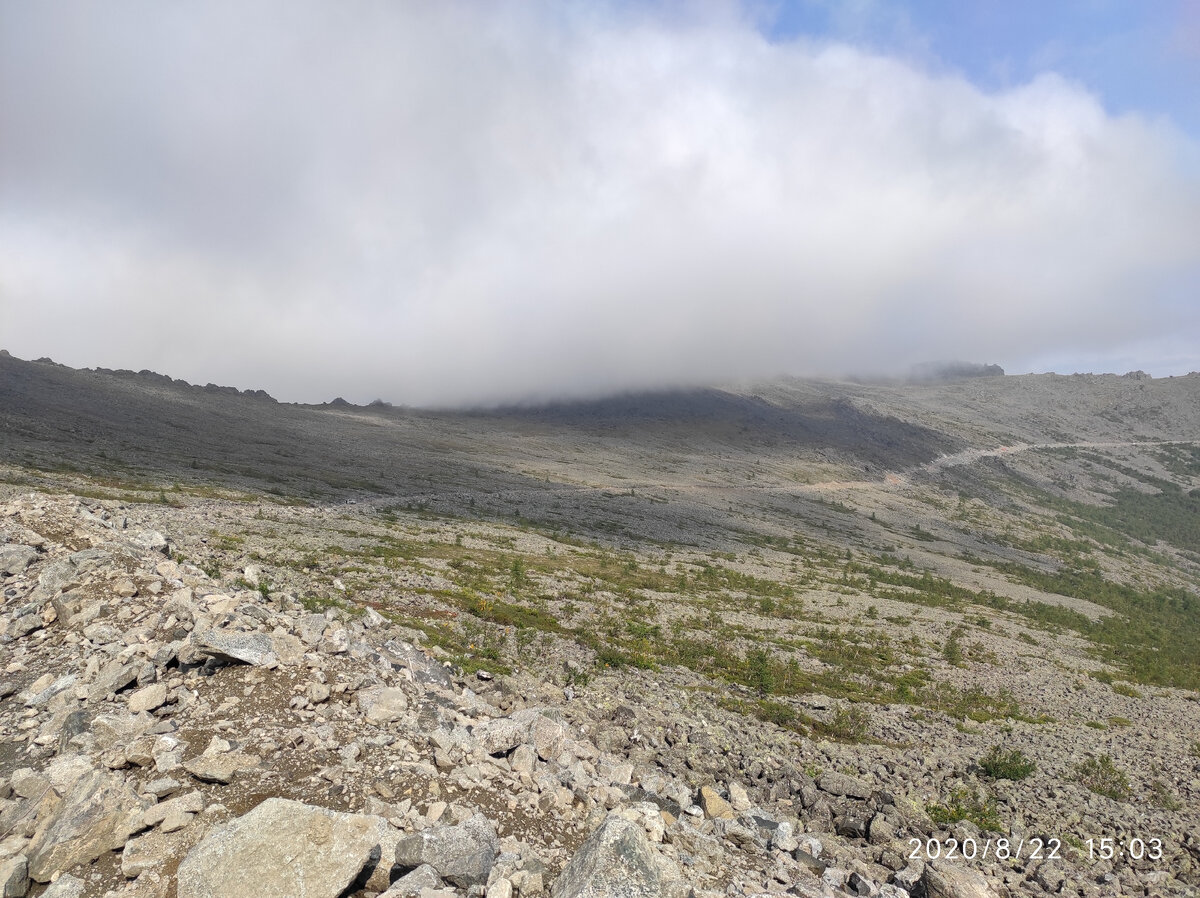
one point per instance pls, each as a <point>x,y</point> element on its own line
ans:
<point>456,201</point>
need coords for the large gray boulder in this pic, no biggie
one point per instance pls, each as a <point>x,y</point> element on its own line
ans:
<point>532,726</point>
<point>842,785</point>
<point>425,671</point>
<point>462,855</point>
<point>943,880</point>
<point>66,886</point>
<point>14,876</point>
<point>616,861</point>
<point>250,648</point>
<point>282,847</point>
<point>97,814</point>
<point>14,559</point>
<point>382,704</point>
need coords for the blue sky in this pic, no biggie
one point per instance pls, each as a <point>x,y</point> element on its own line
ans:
<point>1136,55</point>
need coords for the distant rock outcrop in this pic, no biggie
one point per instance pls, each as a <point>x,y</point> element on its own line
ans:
<point>935,371</point>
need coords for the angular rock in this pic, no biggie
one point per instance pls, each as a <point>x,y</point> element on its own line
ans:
<point>192,803</point>
<point>14,877</point>
<point>714,805</point>
<point>501,735</point>
<point>546,734</point>
<point>115,677</point>
<point>44,695</point>
<point>15,558</point>
<point>616,861</point>
<point>524,759</point>
<point>317,693</point>
<point>27,783</point>
<point>98,814</point>
<point>942,880</point>
<point>66,770</point>
<point>220,767</point>
<point>739,799</point>
<point>531,725</point>
<point>153,850</point>
<point>288,649</point>
<point>148,698</point>
<point>162,787</point>
<point>501,888</point>
<point>411,884</point>
<point>784,838</point>
<point>139,855</point>
<point>54,578</point>
<point>66,886</point>
<point>382,704</point>
<point>153,541</point>
<point>425,671</point>
<point>111,730</point>
<point>843,785</point>
<point>282,847</point>
<point>462,855</point>
<point>25,624</point>
<point>250,648</point>
<point>881,830</point>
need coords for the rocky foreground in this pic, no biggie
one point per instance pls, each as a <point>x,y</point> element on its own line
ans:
<point>163,734</point>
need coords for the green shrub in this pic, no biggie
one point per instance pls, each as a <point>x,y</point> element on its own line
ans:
<point>1161,797</point>
<point>759,673</point>
<point>965,805</point>
<point>516,575</point>
<point>1103,777</point>
<point>952,650</point>
<point>776,712</point>
<point>848,725</point>
<point>1006,765</point>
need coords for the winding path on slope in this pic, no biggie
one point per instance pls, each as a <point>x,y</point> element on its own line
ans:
<point>970,456</point>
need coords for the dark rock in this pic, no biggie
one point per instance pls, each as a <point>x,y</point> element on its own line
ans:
<point>462,855</point>
<point>616,861</point>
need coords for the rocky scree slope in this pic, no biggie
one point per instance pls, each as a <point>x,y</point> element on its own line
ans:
<point>162,733</point>
<point>227,743</point>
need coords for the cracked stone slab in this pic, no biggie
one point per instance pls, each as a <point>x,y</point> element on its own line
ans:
<point>282,847</point>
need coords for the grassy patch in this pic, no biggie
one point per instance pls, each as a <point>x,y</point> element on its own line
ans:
<point>1102,776</point>
<point>963,804</point>
<point>999,764</point>
<point>1154,635</point>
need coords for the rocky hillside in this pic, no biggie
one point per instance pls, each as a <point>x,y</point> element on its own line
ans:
<point>808,639</point>
<point>229,742</point>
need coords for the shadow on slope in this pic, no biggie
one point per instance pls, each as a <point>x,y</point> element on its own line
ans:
<point>717,417</point>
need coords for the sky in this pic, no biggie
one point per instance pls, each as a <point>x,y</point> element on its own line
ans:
<point>445,202</point>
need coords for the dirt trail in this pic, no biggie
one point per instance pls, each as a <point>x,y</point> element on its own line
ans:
<point>970,456</point>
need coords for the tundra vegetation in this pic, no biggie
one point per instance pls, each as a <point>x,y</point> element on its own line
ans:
<point>980,598</point>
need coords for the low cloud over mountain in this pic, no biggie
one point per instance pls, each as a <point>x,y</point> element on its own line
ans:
<point>465,202</point>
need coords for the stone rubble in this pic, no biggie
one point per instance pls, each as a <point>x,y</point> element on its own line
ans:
<point>211,740</point>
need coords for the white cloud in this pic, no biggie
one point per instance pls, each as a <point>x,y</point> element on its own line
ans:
<point>468,201</point>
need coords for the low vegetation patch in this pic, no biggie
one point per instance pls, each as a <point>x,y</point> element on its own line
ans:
<point>963,804</point>
<point>999,764</point>
<point>1102,776</point>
